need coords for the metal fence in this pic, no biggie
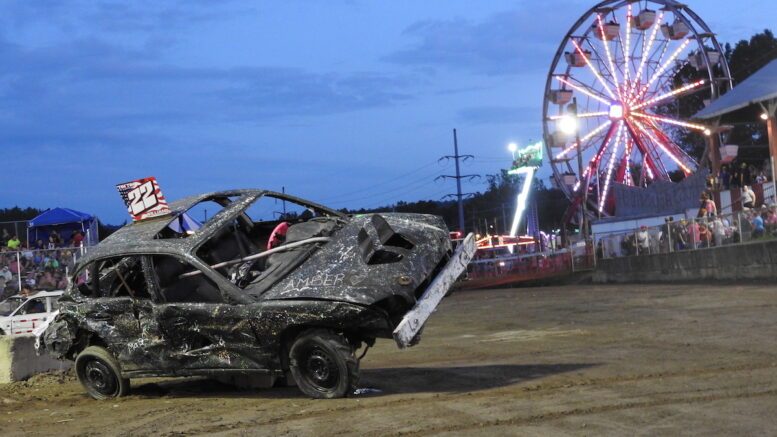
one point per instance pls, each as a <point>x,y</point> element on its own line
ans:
<point>693,234</point>
<point>18,228</point>
<point>37,270</point>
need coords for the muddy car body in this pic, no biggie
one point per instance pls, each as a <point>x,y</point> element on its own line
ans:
<point>175,297</point>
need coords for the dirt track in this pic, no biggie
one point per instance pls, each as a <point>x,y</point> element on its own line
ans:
<point>542,361</point>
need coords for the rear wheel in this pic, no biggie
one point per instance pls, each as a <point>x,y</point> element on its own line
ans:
<point>323,364</point>
<point>100,374</point>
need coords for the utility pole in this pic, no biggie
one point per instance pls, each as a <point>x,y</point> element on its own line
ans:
<point>459,195</point>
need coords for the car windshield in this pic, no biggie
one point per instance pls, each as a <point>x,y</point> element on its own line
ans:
<point>10,305</point>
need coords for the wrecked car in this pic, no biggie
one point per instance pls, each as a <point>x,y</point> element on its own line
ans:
<point>251,285</point>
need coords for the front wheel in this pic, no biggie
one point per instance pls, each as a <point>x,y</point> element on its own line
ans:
<point>100,374</point>
<point>323,364</point>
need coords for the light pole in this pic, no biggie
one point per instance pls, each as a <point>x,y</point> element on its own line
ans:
<point>568,125</point>
<point>512,147</point>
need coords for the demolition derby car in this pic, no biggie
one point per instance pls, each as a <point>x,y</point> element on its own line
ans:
<point>251,285</point>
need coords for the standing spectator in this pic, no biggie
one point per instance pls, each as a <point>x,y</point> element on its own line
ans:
<point>55,238</point>
<point>77,238</point>
<point>705,236</point>
<point>693,232</point>
<point>14,243</point>
<point>718,231</point>
<point>744,175</point>
<point>643,240</point>
<point>725,177</point>
<point>758,225</point>
<point>748,198</point>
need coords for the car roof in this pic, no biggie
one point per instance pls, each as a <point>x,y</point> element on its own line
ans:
<point>53,293</point>
<point>139,237</point>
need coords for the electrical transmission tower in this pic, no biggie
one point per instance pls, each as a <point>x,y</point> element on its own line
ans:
<point>459,195</point>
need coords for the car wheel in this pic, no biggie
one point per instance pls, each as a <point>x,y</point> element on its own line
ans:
<point>323,364</point>
<point>100,374</point>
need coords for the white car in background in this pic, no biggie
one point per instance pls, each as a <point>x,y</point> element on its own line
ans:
<point>21,315</point>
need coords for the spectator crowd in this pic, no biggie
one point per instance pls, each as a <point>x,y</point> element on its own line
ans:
<point>41,265</point>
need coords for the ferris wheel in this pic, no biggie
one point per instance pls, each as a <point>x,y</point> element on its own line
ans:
<point>610,114</point>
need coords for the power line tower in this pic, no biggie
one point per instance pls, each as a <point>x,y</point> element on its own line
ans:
<point>459,195</point>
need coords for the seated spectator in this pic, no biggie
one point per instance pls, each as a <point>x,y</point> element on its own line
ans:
<point>39,245</point>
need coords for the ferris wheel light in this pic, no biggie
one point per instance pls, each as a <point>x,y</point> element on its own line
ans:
<point>616,111</point>
<point>567,124</point>
<point>764,116</point>
<point>707,132</point>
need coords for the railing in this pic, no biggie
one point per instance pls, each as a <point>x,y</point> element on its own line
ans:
<point>37,270</point>
<point>503,269</point>
<point>684,235</point>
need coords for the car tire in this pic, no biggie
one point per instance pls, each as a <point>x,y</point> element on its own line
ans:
<point>323,364</point>
<point>100,374</point>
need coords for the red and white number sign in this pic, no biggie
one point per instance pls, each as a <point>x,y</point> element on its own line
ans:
<point>143,198</point>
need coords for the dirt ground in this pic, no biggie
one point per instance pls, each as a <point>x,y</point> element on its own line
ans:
<point>585,360</point>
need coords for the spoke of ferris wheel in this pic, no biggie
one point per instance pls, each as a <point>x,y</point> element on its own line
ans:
<point>663,147</point>
<point>668,141</point>
<point>587,137</point>
<point>664,66</point>
<point>610,61</point>
<point>645,52</point>
<point>610,165</point>
<point>626,48</point>
<point>587,91</point>
<point>647,160</point>
<point>627,179</point>
<point>654,100</point>
<point>583,115</point>
<point>669,120</point>
<point>594,163</point>
<point>593,70</point>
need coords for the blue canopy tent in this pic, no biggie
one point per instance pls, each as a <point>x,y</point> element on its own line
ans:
<point>65,221</point>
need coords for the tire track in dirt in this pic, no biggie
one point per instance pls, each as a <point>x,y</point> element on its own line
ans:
<point>496,393</point>
<point>539,418</point>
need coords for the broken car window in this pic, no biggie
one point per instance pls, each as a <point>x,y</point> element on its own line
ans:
<point>188,222</point>
<point>178,284</point>
<point>116,277</point>
<point>269,223</point>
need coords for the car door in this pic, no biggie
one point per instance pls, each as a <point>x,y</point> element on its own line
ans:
<point>117,303</point>
<point>31,314</point>
<point>202,329</point>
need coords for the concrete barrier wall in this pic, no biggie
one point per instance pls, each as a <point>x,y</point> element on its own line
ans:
<point>751,261</point>
<point>18,360</point>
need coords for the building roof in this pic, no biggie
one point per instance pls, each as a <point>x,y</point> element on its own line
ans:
<point>759,87</point>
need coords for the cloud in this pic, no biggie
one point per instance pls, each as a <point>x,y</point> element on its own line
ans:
<point>87,91</point>
<point>505,43</point>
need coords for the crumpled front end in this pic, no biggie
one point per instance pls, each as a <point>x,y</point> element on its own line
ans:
<point>58,339</point>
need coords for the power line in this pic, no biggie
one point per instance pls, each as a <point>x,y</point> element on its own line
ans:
<point>377,185</point>
<point>415,182</point>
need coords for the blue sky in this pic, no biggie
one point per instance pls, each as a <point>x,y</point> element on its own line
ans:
<point>348,102</point>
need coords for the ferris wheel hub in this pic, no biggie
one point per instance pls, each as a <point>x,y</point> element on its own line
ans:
<point>617,111</point>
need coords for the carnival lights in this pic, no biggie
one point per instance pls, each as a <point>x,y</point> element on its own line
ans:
<point>623,80</point>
